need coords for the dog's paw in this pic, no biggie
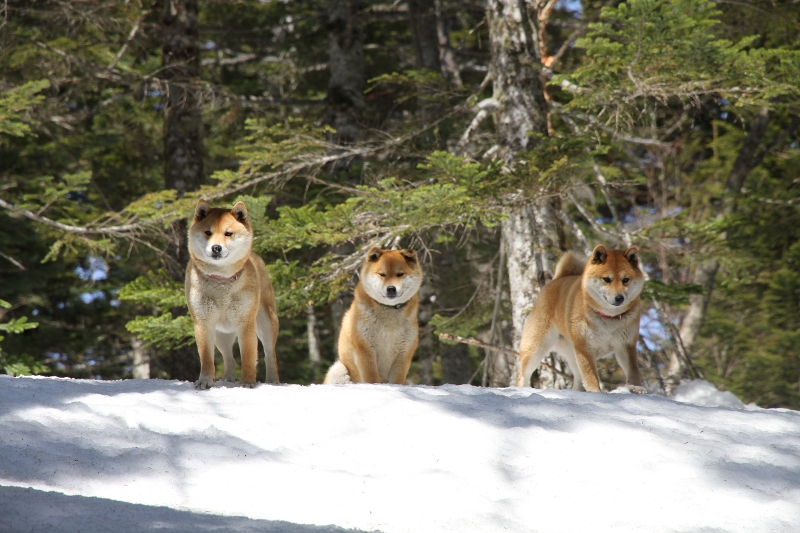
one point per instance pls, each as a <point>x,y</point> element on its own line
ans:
<point>227,380</point>
<point>637,389</point>
<point>248,384</point>
<point>203,383</point>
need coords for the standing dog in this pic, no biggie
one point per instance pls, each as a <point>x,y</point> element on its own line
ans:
<point>380,331</point>
<point>229,295</point>
<point>587,312</point>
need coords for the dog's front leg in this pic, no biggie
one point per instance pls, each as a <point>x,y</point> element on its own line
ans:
<point>588,366</point>
<point>248,346</point>
<point>366,362</point>
<point>400,368</point>
<point>204,335</point>
<point>633,375</point>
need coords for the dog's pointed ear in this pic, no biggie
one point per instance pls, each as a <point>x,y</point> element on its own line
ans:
<point>374,254</point>
<point>599,254</point>
<point>632,255</point>
<point>409,255</point>
<point>239,211</point>
<point>202,210</point>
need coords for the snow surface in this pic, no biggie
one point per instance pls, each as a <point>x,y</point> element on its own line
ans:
<point>701,392</point>
<point>131,456</point>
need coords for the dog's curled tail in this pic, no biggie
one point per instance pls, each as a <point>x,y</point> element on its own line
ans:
<point>337,375</point>
<point>569,265</point>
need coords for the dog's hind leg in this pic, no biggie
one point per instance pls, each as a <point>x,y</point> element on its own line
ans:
<point>225,342</point>
<point>533,349</point>
<point>567,352</point>
<point>267,328</point>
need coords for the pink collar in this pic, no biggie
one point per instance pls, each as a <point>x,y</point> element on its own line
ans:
<point>222,278</point>
<point>609,316</point>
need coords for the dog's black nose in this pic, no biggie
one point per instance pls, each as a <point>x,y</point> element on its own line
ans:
<point>216,249</point>
<point>618,299</point>
<point>391,291</point>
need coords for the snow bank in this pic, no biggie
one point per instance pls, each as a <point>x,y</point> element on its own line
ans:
<point>702,392</point>
<point>157,455</point>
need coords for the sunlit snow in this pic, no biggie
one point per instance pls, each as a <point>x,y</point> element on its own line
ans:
<point>131,456</point>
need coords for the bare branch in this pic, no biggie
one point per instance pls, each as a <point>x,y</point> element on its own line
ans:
<point>115,231</point>
<point>480,344</point>
<point>605,233</point>
<point>11,259</point>
<point>564,47</point>
<point>131,35</point>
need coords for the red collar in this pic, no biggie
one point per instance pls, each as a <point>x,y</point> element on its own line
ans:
<point>222,278</point>
<point>619,316</point>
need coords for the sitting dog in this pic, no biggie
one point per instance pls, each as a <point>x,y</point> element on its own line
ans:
<point>380,331</point>
<point>229,295</point>
<point>586,312</point>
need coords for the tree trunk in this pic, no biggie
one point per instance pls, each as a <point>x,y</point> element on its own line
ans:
<point>706,273</point>
<point>140,359</point>
<point>425,346</point>
<point>183,140</point>
<point>314,356</point>
<point>517,84</point>
<point>447,56</point>
<point>520,108</point>
<point>345,98</point>
<point>183,123</point>
<point>422,19</point>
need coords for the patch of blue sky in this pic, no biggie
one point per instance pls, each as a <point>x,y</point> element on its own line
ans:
<point>89,297</point>
<point>573,6</point>
<point>651,330</point>
<point>97,270</point>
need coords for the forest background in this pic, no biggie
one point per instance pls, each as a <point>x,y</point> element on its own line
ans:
<point>491,136</point>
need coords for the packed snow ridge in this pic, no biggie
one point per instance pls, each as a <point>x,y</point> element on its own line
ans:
<point>132,456</point>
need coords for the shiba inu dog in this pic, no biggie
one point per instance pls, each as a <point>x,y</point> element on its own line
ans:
<point>229,295</point>
<point>380,331</point>
<point>586,312</point>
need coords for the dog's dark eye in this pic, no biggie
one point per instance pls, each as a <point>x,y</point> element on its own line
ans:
<point>208,233</point>
<point>382,275</point>
<point>607,280</point>
<point>400,274</point>
<point>228,233</point>
<point>625,280</point>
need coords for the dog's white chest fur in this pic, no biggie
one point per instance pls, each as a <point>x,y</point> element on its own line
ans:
<point>219,302</point>
<point>389,333</point>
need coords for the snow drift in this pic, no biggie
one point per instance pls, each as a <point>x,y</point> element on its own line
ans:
<point>158,455</point>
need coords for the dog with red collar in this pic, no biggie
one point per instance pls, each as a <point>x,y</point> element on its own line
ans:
<point>587,311</point>
<point>230,295</point>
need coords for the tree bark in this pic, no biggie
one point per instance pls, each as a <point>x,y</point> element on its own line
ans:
<point>314,356</point>
<point>425,346</point>
<point>183,139</point>
<point>422,19</point>
<point>516,82</point>
<point>447,56</point>
<point>140,359</point>
<point>706,272</point>
<point>183,123</point>
<point>345,98</point>
<point>520,109</point>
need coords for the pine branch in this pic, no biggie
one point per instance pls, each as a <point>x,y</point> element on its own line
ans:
<point>112,231</point>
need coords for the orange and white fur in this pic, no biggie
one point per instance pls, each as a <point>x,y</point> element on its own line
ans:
<point>587,311</point>
<point>229,295</point>
<point>380,331</point>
